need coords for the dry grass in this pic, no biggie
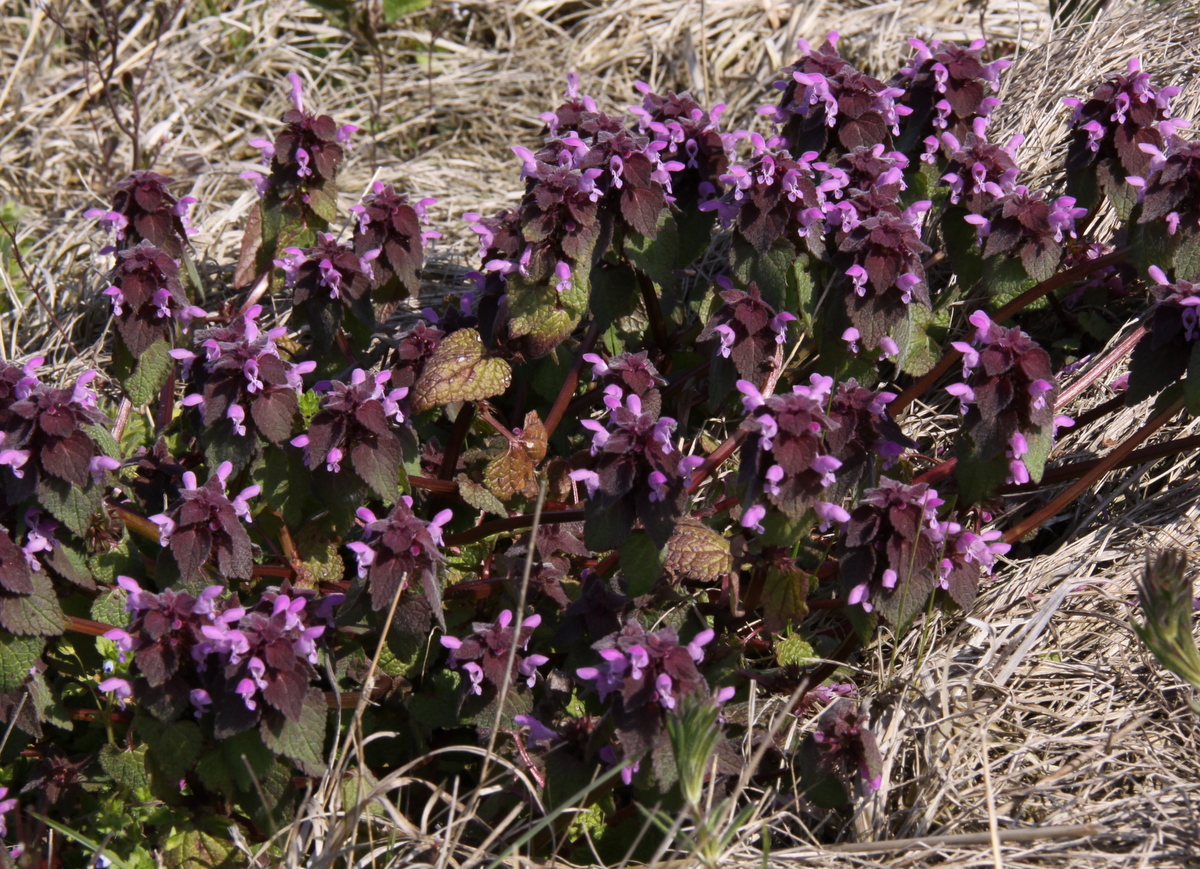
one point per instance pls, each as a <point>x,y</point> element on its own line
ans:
<point>1044,688</point>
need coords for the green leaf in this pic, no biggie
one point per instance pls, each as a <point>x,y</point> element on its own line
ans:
<point>793,650</point>
<point>285,481</point>
<point>36,614</point>
<point>1005,279</point>
<point>109,609</point>
<point>153,367</point>
<point>17,655</point>
<point>458,371</point>
<point>126,768</point>
<point>118,561</point>
<point>544,316</point>
<point>103,438</point>
<point>68,504</point>
<point>71,564</point>
<point>918,352</point>
<point>173,746</point>
<point>393,9</point>
<point>1040,444</point>
<point>323,202</point>
<point>213,771</point>
<point>770,272</point>
<point>615,293</point>
<point>978,478</point>
<point>479,496</point>
<point>785,599</point>
<point>245,753</point>
<point>200,849</point>
<point>1187,254</point>
<point>221,444</point>
<point>302,741</point>
<point>962,246</point>
<point>657,257</point>
<point>641,563</point>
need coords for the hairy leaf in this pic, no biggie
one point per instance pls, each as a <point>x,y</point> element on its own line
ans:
<point>479,497</point>
<point>153,368</point>
<point>641,562</point>
<point>458,371</point>
<point>302,741</point>
<point>35,614</point>
<point>697,552</point>
<point>17,656</point>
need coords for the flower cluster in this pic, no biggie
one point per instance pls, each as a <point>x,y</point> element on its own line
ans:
<point>840,748</point>
<point>43,433</point>
<point>398,549</point>
<point>484,654</point>
<point>647,667</point>
<point>355,422</point>
<point>241,379</point>
<point>889,550</point>
<point>1024,224</point>
<point>965,557</point>
<point>205,522</point>
<point>638,474</point>
<point>693,138</point>
<point>629,372</point>
<point>785,456</point>
<point>862,429</point>
<point>1170,188</point>
<point>305,155</point>
<point>828,104</point>
<point>774,196</point>
<point>1122,114</point>
<point>390,226</point>
<point>6,806</point>
<point>328,272</point>
<point>948,87</point>
<point>147,297</point>
<point>1164,353</point>
<point>143,209</point>
<point>212,654</point>
<point>1008,397</point>
<point>413,349</point>
<point>747,332</point>
<point>979,172</point>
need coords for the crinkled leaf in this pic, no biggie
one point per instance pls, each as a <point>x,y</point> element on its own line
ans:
<point>17,656</point>
<point>377,460</point>
<point>323,201</point>
<point>109,608</point>
<point>918,352</point>
<point>173,746</point>
<point>70,505</point>
<point>1005,279</point>
<point>1187,254</point>
<point>793,651</point>
<point>191,547</point>
<point>658,258</point>
<point>200,849</point>
<point>71,564</point>
<point>784,597</point>
<point>641,562</point>
<point>697,552</point>
<point>125,767</point>
<point>479,496</point>
<point>458,371</point>
<point>35,614</point>
<point>510,472</point>
<point>274,413</point>
<point>544,316</point>
<point>285,483</point>
<point>771,271</point>
<point>15,575</point>
<point>302,741</point>
<point>103,439</point>
<point>151,373</point>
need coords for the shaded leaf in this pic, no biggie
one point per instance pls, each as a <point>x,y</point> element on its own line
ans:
<point>17,656</point>
<point>697,552</point>
<point>784,597</point>
<point>302,741</point>
<point>172,746</point>
<point>126,768</point>
<point>35,614</point>
<point>479,497</point>
<point>70,505</point>
<point>153,368</point>
<point>641,562</point>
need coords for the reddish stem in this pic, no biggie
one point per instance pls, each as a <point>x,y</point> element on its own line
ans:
<point>512,523</point>
<point>1026,298</point>
<point>715,459</point>
<point>86,626</point>
<point>458,436</point>
<point>1097,371</point>
<point>554,417</point>
<point>1102,467</point>
<point>429,484</point>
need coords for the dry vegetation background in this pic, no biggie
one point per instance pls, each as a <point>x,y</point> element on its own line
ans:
<point>1041,708</point>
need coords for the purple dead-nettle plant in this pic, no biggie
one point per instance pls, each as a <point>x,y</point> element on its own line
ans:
<point>966,556</point>
<point>880,261</point>
<point>889,551</point>
<point>143,209</point>
<point>639,473</point>
<point>1121,115</point>
<point>305,155</point>
<point>948,87</point>
<point>565,119</point>
<point>414,348</point>
<point>1008,398</point>
<point>1170,188</point>
<point>205,521</point>
<point>240,381</point>
<point>326,279</point>
<point>628,373</point>
<point>693,138</point>
<point>147,297</point>
<point>39,537</point>
<point>775,196</point>
<point>863,430</point>
<point>355,423</point>
<point>1026,225</point>
<point>785,458</point>
<point>398,550</point>
<point>43,433</point>
<point>978,171</point>
<point>746,331</point>
<point>484,654</point>
<point>391,226</point>
<point>863,183</point>
<point>827,104</point>
<point>1164,353</point>
<point>842,748</point>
